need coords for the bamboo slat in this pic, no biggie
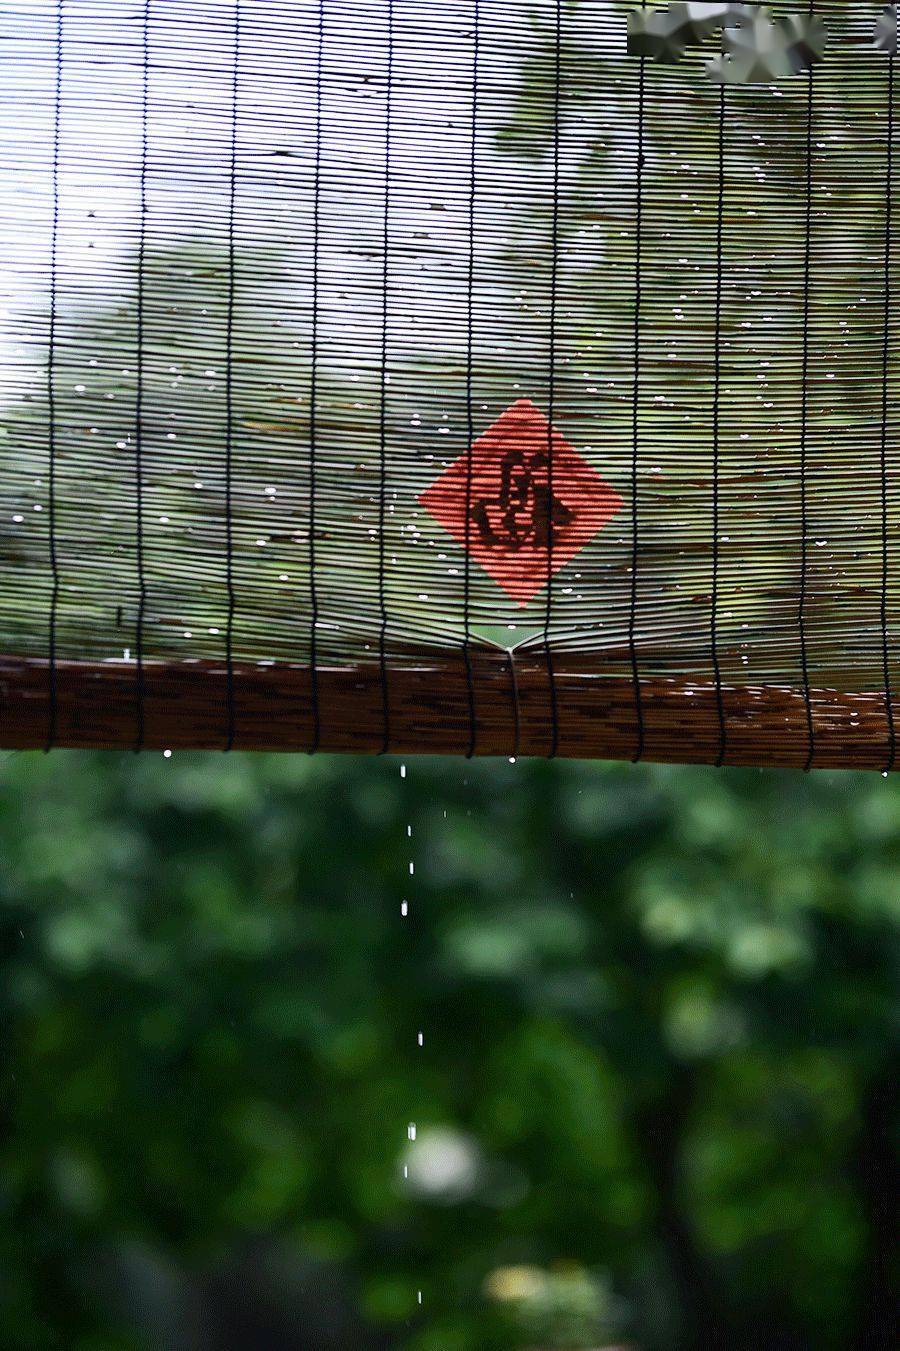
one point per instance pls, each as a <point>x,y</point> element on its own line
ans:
<point>184,707</point>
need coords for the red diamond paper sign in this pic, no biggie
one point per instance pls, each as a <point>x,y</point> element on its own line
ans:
<point>511,516</point>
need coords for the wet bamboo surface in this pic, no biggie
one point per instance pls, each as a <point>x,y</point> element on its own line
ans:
<point>185,706</point>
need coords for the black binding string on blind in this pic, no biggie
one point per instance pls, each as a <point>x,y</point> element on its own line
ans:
<point>885,557</point>
<point>139,387</point>
<point>470,412</point>
<point>551,374</point>
<point>717,384</point>
<point>804,421</point>
<point>635,407</point>
<point>229,389</point>
<point>314,394</point>
<point>52,714</point>
<point>382,415</point>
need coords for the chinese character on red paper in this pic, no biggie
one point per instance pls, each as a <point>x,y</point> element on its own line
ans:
<point>515,513</point>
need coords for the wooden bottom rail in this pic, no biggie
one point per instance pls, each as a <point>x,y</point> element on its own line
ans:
<point>185,706</point>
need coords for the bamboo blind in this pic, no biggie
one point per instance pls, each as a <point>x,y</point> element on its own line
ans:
<point>393,375</point>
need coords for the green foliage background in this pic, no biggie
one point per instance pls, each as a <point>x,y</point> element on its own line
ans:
<point>658,1006</point>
